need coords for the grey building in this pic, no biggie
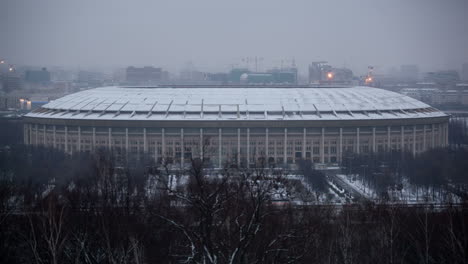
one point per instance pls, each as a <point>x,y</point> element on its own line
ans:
<point>237,126</point>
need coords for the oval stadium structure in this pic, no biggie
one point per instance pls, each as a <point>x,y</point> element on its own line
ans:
<point>241,126</point>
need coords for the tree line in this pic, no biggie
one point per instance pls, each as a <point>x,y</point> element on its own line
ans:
<point>95,208</point>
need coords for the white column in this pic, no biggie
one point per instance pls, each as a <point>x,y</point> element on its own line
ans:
<point>238,147</point>
<point>201,143</point>
<point>267,145</point>
<point>79,138</point>
<point>163,143</point>
<point>182,150</point>
<point>156,154</point>
<point>145,144</point>
<point>402,138</point>
<point>374,147</point>
<point>424,138</point>
<point>322,146</point>
<point>389,143</point>
<point>36,132</point>
<point>30,133</point>
<point>29,128</point>
<point>220,147</point>
<point>414,140</point>
<point>126,140</point>
<point>304,142</point>
<point>110,139</point>
<point>441,136</point>
<point>54,137</point>
<point>173,151</point>
<point>285,155</point>
<point>442,139</point>
<point>25,134</point>
<point>44,135</point>
<point>446,135</point>
<point>94,138</point>
<point>358,143</point>
<point>275,152</point>
<point>248,147</point>
<point>340,147</point>
<point>66,139</point>
<point>433,136</point>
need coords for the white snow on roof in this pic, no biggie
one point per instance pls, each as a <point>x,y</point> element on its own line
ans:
<point>120,103</point>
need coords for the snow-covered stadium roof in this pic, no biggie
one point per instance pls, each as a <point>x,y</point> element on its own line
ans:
<point>126,103</point>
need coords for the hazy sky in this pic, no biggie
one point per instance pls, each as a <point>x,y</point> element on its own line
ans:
<point>214,33</point>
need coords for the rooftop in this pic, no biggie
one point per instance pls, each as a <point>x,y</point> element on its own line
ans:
<point>122,103</point>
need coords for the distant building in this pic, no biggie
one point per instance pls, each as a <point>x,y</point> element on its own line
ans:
<point>257,78</point>
<point>193,75</point>
<point>317,71</point>
<point>342,75</point>
<point>320,72</point>
<point>11,82</point>
<point>444,78</point>
<point>284,76</point>
<point>274,76</point>
<point>235,74</point>
<point>435,96</point>
<point>450,97</point>
<point>425,95</point>
<point>37,76</point>
<point>87,76</point>
<point>9,102</point>
<point>145,75</point>
<point>220,77</point>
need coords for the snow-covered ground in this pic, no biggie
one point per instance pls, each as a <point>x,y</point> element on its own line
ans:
<point>408,194</point>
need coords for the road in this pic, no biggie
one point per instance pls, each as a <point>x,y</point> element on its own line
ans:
<point>331,174</point>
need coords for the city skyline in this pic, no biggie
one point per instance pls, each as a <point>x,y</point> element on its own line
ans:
<point>214,36</point>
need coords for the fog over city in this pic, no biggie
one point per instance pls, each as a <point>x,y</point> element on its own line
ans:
<point>215,34</point>
<point>234,132</point>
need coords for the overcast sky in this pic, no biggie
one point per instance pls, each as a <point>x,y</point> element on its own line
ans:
<point>214,33</point>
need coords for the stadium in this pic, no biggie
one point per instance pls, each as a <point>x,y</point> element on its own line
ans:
<point>237,126</point>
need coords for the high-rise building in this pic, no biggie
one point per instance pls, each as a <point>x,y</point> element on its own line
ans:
<point>11,81</point>
<point>316,71</point>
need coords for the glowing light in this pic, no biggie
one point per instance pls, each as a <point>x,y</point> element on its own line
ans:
<point>2,61</point>
<point>330,75</point>
<point>21,100</point>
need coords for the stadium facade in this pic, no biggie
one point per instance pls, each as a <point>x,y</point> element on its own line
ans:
<point>242,126</point>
